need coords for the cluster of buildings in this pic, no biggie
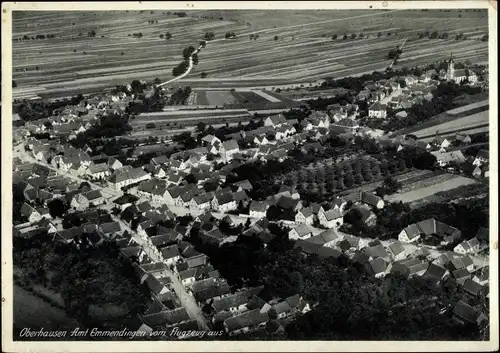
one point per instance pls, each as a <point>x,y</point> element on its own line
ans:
<point>388,93</point>
<point>380,259</point>
<point>195,180</point>
<point>72,120</point>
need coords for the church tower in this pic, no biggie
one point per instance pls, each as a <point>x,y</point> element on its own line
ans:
<point>450,74</point>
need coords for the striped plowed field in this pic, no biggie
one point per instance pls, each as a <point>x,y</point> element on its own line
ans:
<point>303,52</point>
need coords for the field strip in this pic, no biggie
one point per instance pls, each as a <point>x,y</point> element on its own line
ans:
<point>312,23</point>
<point>450,134</point>
<point>424,192</point>
<point>190,112</point>
<point>467,121</point>
<point>267,96</point>
<point>468,107</point>
<point>200,118</point>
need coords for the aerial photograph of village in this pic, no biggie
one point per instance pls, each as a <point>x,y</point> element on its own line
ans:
<point>250,175</point>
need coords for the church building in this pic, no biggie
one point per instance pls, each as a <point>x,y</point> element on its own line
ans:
<point>459,75</point>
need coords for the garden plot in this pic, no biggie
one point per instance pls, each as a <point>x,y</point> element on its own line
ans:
<point>220,98</point>
<point>426,190</point>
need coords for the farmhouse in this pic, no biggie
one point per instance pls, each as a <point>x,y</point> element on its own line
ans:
<point>440,142</point>
<point>435,273</point>
<point>349,243</point>
<point>397,250</point>
<point>114,163</point>
<point>466,314</point>
<point>126,176</point>
<point>482,157</point>
<point>170,255</point>
<point>158,161</point>
<point>201,202</point>
<point>210,140</point>
<point>348,125</point>
<point>410,267</point>
<point>429,227</point>
<point>303,231</point>
<point>258,209</point>
<point>363,197</point>
<point>445,158</point>
<point>224,202</point>
<point>377,110</point>
<point>305,215</point>
<point>467,247</point>
<point>30,213</point>
<point>82,201</point>
<point>377,267</point>
<point>331,219</point>
<point>246,321</point>
<point>463,138</point>
<point>260,140</point>
<point>275,120</point>
<point>284,131</point>
<point>98,171</point>
<point>228,149</point>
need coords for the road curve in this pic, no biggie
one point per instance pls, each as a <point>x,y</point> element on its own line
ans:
<point>190,67</point>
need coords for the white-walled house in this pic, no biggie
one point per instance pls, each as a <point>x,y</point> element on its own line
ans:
<point>302,231</point>
<point>224,203</point>
<point>410,234</point>
<point>331,219</point>
<point>305,215</point>
<point>275,120</point>
<point>228,149</point>
<point>258,209</point>
<point>467,247</point>
<point>377,110</point>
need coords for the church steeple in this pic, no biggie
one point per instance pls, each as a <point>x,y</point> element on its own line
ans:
<point>451,68</point>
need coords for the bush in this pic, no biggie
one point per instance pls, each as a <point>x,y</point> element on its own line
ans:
<point>275,38</point>
<point>209,36</point>
<point>180,69</point>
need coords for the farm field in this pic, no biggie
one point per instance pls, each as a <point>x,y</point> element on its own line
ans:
<point>404,178</point>
<point>180,119</point>
<point>459,194</point>
<point>35,313</point>
<point>479,105</point>
<point>429,187</point>
<point>465,124</point>
<point>239,99</point>
<point>303,52</point>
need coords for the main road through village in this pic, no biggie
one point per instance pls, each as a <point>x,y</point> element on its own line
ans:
<point>187,300</point>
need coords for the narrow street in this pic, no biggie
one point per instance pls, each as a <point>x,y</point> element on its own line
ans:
<point>187,301</point>
<point>185,298</point>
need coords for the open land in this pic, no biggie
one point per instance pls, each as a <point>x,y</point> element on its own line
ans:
<point>31,309</point>
<point>302,54</point>
<point>473,117</point>
<point>430,187</point>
